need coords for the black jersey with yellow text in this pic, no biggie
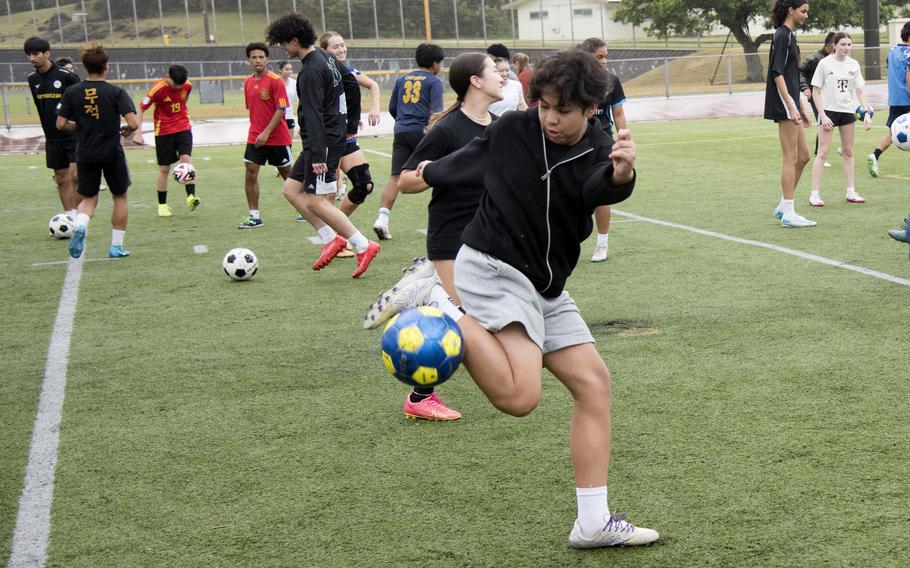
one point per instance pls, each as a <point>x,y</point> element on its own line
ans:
<point>47,89</point>
<point>96,108</point>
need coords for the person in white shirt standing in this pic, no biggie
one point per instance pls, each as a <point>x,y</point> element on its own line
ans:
<point>512,93</point>
<point>290,85</point>
<point>836,84</point>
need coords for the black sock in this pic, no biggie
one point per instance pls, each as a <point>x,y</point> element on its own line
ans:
<point>877,153</point>
<point>191,189</point>
<point>421,393</point>
<point>162,197</point>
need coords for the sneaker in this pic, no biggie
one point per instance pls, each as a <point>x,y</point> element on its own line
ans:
<point>117,251</point>
<point>300,218</point>
<point>250,223</point>
<point>329,251</point>
<point>164,210</point>
<point>365,258</point>
<point>827,164</point>
<point>382,229</point>
<point>778,214</point>
<point>616,532</point>
<point>348,252</point>
<point>855,198</point>
<point>872,165</point>
<point>600,253</point>
<point>430,408</point>
<point>192,202</point>
<point>899,235</point>
<point>796,222</point>
<point>77,242</point>
<point>815,200</point>
<point>411,291</point>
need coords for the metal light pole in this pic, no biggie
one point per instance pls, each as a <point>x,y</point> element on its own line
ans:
<point>350,23</point>
<point>135,22</point>
<point>189,32</point>
<point>161,20</point>
<point>376,21</point>
<point>59,23</point>
<point>455,10</point>
<point>84,20</point>
<point>240,13</point>
<point>110,23</point>
<point>483,20</point>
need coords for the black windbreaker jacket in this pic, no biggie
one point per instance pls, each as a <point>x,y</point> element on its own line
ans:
<point>534,213</point>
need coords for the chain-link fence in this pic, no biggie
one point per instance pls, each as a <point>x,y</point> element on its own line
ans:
<point>641,77</point>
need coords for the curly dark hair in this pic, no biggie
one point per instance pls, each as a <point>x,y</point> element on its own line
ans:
<point>573,76</point>
<point>257,45</point>
<point>291,26</point>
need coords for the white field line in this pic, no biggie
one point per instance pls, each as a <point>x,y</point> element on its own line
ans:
<point>82,259</point>
<point>378,153</point>
<point>785,250</point>
<point>33,521</point>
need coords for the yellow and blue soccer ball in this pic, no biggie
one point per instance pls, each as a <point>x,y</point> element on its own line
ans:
<point>422,346</point>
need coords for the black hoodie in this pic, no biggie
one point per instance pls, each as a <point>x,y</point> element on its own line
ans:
<point>539,197</point>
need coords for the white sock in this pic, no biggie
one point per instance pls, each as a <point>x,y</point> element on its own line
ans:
<point>440,299</point>
<point>358,241</point>
<point>602,239</point>
<point>786,205</point>
<point>254,213</point>
<point>327,233</point>
<point>851,190</point>
<point>592,509</point>
<point>384,213</point>
<point>82,220</point>
<point>117,237</point>
<point>71,213</point>
<point>814,193</point>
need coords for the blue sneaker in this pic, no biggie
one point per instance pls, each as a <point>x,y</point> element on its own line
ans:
<point>117,251</point>
<point>778,214</point>
<point>899,235</point>
<point>250,223</point>
<point>77,242</point>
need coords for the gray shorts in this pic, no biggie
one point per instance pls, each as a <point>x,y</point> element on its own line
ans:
<point>496,294</point>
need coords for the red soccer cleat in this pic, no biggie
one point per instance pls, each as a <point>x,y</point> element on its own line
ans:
<point>366,257</point>
<point>330,251</point>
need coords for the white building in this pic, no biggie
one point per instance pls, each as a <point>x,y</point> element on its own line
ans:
<point>569,20</point>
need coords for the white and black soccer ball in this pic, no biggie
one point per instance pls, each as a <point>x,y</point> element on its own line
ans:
<point>61,226</point>
<point>184,173</point>
<point>900,132</point>
<point>240,264</point>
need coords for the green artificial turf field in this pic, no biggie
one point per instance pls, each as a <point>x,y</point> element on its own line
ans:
<point>760,398</point>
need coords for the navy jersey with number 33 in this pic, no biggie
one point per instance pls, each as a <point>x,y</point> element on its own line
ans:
<point>416,96</point>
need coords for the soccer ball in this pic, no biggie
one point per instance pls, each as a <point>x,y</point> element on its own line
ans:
<point>240,264</point>
<point>61,226</point>
<point>422,347</point>
<point>184,173</point>
<point>900,132</point>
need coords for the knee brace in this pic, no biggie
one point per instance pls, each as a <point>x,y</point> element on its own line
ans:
<point>362,182</point>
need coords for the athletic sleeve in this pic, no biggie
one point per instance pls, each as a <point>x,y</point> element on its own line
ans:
<point>67,106</point>
<point>465,167</point>
<point>436,103</point>
<point>780,47</point>
<point>433,145</point>
<point>818,78</point>
<point>149,99</point>
<point>311,103</point>
<point>393,100</point>
<point>599,189</point>
<point>124,103</point>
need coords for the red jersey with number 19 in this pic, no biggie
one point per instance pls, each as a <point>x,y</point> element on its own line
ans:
<point>171,114</point>
<point>263,97</point>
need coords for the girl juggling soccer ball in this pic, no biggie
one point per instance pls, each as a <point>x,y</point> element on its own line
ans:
<point>544,171</point>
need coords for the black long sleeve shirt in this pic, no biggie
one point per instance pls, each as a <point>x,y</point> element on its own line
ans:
<point>321,110</point>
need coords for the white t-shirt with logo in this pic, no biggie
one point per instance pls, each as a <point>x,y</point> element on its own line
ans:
<point>290,111</point>
<point>838,80</point>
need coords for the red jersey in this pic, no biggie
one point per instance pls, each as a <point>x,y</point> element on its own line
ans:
<point>263,98</point>
<point>171,114</point>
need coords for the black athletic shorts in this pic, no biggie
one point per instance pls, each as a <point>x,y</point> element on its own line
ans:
<point>351,147</point>
<point>59,155</point>
<point>291,124</point>
<point>170,147</point>
<point>403,146</point>
<point>278,156</point>
<point>303,170</point>
<point>841,118</point>
<point>116,175</point>
<point>896,112</point>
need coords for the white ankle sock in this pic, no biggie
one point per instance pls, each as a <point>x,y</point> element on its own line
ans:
<point>82,220</point>
<point>384,213</point>
<point>440,299</point>
<point>254,213</point>
<point>602,239</point>
<point>117,237</point>
<point>71,213</point>
<point>786,205</point>
<point>358,241</point>
<point>851,190</point>
<point>326,233</point>
<point>592,509</point>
